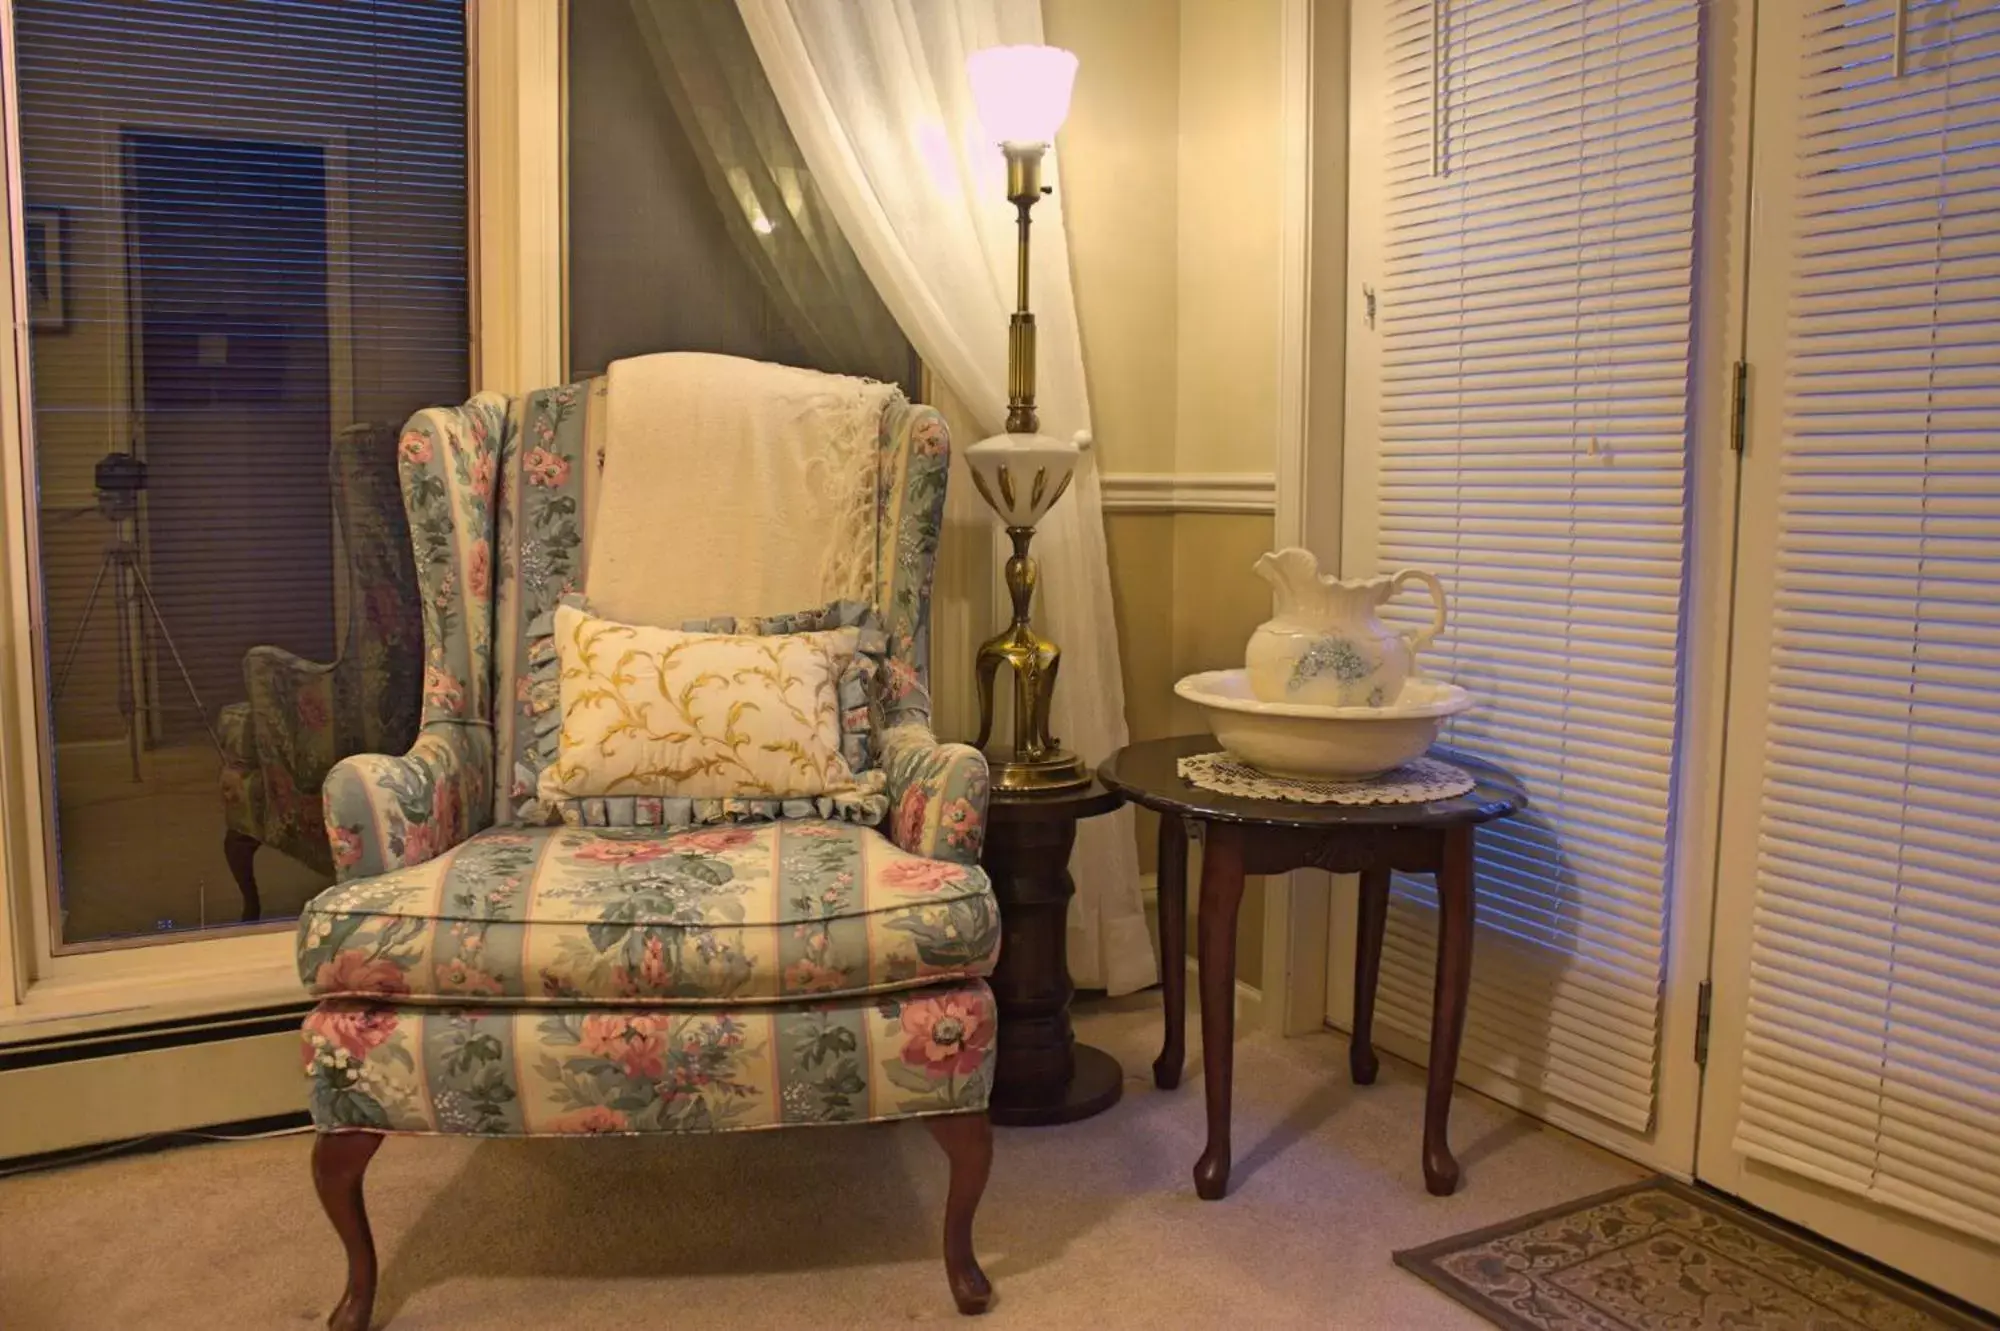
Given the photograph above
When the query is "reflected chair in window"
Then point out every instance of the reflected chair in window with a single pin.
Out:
(494, 966)
(301, 717)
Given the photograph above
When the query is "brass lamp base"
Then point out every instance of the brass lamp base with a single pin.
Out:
(1037, 762)
(1059, 771)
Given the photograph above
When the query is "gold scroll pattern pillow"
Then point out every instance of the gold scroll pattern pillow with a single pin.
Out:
(652, 711)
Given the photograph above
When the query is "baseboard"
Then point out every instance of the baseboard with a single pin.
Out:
(60, 1106)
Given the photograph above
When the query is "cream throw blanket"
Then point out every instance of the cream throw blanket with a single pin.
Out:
(732, 487)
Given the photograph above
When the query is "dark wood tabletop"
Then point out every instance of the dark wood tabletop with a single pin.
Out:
(1028, 806)
(1145, 774)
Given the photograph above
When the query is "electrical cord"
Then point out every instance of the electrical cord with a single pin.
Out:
(130, 1145)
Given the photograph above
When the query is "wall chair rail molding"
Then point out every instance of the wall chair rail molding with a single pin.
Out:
(1190, 492)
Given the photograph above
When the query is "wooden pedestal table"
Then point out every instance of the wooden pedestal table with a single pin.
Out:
(1244, 836)
(1041, 1075)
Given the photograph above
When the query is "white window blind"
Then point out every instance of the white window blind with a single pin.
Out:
(1872, 1057)
(1535, 324)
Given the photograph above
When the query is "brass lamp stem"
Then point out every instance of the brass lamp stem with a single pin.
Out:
(1024, 188)
(1022, 574)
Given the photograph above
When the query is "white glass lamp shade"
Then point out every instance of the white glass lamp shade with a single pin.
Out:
(1021, 475)
(1022, 91)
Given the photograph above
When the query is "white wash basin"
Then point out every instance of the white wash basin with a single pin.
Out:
(1303, 740)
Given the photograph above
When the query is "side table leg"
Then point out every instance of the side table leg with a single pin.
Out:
(1221, 894)
(1454, 977)
(1173, 950)
(1372, 914)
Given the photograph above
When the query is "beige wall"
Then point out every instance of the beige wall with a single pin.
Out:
(1117, 167)
(1227, 277)
(1170, 162)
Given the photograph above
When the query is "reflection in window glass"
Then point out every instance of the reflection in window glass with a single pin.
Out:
(694, 224)
(245, 260)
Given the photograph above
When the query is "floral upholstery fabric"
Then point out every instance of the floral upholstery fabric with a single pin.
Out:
(549, 462)
(563, 1071)
(383, 813)
(754, 914)
(302, 716)
(937, 795)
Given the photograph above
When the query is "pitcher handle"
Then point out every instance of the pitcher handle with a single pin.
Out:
(1421, 638)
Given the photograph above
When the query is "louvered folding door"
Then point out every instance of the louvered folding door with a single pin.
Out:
(1857, 1050)
(1527, 440)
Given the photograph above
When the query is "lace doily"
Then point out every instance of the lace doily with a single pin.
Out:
(1416, 782)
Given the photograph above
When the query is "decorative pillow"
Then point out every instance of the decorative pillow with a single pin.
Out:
(862, 723)
(650, 711)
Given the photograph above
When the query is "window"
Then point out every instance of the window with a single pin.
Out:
(693, 222)
(246, 227)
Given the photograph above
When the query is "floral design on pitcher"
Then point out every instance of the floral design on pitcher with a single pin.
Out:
(1334, 656)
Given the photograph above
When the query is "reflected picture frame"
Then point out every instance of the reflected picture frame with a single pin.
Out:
(45, 264)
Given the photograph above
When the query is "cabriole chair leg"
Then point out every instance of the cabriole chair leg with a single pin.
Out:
(967, 1140)
(240, 850)
(338, 1162)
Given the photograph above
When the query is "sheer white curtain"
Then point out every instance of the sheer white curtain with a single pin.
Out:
(876, 95)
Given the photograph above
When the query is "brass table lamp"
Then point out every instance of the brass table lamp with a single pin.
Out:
(1023, 95)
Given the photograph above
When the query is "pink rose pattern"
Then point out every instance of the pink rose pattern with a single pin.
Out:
(545, 468)
(921, 875)
(947, 1035)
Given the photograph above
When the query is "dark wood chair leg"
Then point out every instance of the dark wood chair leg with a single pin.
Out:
(1221, 894)
(1454, 979)
(1173, 950)
(338, 1162)
(1371, 915)
(967, 1140)
(240, 850)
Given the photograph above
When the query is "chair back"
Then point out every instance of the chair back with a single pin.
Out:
(499, 495)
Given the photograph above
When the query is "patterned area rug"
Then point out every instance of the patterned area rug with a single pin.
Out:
(1658, 1256)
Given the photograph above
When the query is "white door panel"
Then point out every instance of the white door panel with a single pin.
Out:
(1854, 1079)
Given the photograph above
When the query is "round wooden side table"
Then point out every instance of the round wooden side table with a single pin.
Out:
(1260, 836)
(1042, 1075)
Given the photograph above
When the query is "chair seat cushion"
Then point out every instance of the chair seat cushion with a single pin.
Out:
(765, 913)
(550, 1071)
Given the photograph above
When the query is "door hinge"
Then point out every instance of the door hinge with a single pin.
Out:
(1704, 1008)
(1739, 402)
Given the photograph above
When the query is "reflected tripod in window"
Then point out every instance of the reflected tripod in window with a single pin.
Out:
(120, 480)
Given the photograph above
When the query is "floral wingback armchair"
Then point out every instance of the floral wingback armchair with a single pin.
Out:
(302, 717)
(636, 967)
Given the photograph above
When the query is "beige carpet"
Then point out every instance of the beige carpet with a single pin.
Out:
(1093, 1226)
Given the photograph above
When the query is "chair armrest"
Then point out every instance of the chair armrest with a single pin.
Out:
(386, 813)
(937, 795)
(291, 704)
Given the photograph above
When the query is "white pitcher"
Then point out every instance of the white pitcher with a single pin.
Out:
(1325, 646)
